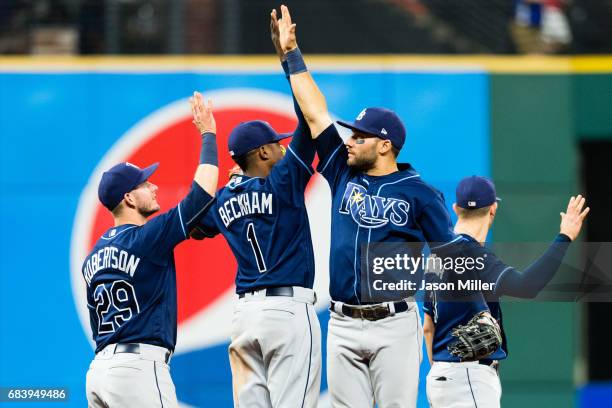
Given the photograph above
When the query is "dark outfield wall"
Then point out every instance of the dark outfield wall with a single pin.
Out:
(536, 124)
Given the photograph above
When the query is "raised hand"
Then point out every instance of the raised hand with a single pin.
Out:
(275, 34)
(202, 114)
(571, 220)
(286, 29)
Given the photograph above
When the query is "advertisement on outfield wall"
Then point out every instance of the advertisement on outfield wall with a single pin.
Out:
(61, 130)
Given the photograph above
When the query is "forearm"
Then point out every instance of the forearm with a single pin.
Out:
(207, 173)
(309, 98)
(302, 124)
(429, 346)
(428, 332)
(312, 103)
(537, 275)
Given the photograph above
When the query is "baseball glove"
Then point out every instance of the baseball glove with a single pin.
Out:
(476, 340)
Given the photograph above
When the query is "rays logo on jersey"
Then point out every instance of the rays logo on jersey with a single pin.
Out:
(372, 211)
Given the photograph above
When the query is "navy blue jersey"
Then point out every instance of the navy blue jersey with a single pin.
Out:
(264, 220)
(131, 277)
(448, 311)
(399, 207)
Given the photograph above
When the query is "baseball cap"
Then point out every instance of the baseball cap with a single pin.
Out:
(251, 135)
(476, 192)
(120, 179)
(380, 122)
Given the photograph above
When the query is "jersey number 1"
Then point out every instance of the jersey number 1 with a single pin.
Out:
(261, 264)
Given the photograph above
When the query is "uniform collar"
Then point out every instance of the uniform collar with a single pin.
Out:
(238, 181)
(114, 231)
(468, 237)
(404, 170)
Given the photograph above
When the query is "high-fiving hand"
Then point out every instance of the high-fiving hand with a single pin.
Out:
(572, 218)
(275, 34)
(202, 114)
(286, 29)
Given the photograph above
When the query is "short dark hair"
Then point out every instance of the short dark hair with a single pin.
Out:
(467, 213)
(118, 209)
(245, 160)
(395, 151)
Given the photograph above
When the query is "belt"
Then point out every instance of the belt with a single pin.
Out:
(134, 348)
(278, 291)
(490, 363)
(371, 312)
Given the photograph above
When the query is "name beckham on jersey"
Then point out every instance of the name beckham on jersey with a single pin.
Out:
(110, 257)
(249, 203)
(372, 211)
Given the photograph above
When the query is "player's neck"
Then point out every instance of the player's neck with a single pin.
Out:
(258, 170)
(476, 228)
(383, 168)
(130, 218)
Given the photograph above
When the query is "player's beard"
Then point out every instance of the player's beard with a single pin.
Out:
(364, 162)
(148, 210)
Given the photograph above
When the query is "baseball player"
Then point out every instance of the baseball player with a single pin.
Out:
(453, 382)
(275, 350)
(373, 350)
(131, 279)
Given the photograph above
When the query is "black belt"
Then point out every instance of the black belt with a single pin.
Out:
(278, 291)
(371, 312)
(134, 348)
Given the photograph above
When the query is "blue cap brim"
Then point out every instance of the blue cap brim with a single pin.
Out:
(147, 172)
(282, 136)
(354, 126)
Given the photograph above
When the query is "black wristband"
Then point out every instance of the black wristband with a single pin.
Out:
(208, 152)
(561, 237)
(295, 61)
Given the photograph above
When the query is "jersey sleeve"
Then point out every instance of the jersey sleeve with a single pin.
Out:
(290, 176)
(207, 226)
(528, 283)
(429, 295)
(428, 304)
(332, 156)
(165, 231)
(435, 221)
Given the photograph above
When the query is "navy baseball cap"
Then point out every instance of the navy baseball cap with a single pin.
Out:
(380, 122)
(120, 179)
(476, 192)
(251, 135)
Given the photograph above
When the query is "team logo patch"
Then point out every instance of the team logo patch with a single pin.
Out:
(361, 114)
(372, 211)
(205, 269)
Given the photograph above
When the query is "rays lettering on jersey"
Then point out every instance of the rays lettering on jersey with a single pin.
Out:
(110, 257)
(372, 211)
(250, 203)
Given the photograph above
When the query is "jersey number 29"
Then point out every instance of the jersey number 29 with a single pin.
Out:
(261, 263)
(115, 304)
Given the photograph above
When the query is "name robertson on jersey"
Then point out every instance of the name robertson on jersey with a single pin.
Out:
(110, 258)
(372, 211)
(249, 203)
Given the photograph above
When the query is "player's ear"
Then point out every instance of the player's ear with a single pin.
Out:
(129, 200)
(456, 209)
(384, 147)
(493, 210)
(263, 152)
